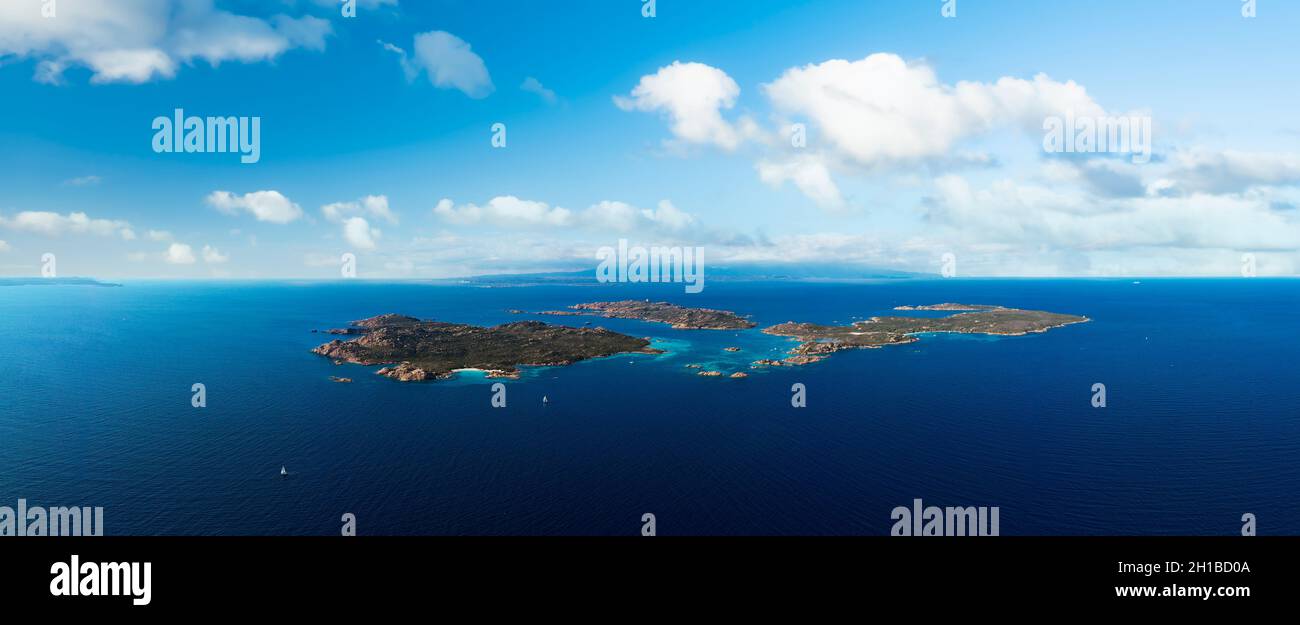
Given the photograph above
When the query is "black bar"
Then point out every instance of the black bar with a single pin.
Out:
(239, 573)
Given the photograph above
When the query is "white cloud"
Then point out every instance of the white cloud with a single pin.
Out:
(180, 254)
(213, 256)
(159, 235)
(882, 110)
(532, 85)
(53, 224)
(669, 216)
(375, 206)
(358, 233)
(808, 173)
(141, 40)
(269, 206)
(448, 61)
(623, 217)
(1232, 170)
(505, 211)
(1032, 217)
(869, 114)
(692, 96)
(4, 247)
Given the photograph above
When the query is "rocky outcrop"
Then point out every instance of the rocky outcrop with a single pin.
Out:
(406, 372)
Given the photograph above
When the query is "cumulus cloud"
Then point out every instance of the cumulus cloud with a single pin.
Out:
(448, 61)
(1233, 170)
(532, 85)
(359, 234)
(180, 254)
(4, 246)
(213, 256)
(623, 217)
(808, 173)
(269, 206)
(873, 114)
(1030, 216)
(511, 213)
(692, 97)
(883, 110)
(159, 235)
(375, 206)
(54, 224)
(505, 211)
(142, 40)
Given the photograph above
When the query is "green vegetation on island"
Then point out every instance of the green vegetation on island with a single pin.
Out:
(418, 350)
(816, 341)
(679, 317)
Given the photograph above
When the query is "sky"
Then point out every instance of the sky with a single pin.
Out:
(445, 138)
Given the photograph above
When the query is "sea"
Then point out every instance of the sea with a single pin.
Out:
(1199, 428)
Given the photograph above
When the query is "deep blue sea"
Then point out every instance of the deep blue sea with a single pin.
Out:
(1201, 423)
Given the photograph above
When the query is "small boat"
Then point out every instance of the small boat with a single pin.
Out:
(545, 399)
(283, 472)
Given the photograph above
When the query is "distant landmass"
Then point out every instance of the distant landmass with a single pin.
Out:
(715, 273)
(29, 281)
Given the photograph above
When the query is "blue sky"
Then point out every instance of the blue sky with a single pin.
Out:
(924, 135)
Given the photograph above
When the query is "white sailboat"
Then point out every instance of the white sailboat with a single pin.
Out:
(283, 472)
(545, 399)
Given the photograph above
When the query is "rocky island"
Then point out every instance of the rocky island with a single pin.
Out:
(817, 341)
(679, 317)
(417, 350)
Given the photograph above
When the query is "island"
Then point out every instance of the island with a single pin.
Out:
(679, 317)
(817, 341)
(414, 350)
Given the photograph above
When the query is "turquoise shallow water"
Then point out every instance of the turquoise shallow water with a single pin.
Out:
(1200, 427)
